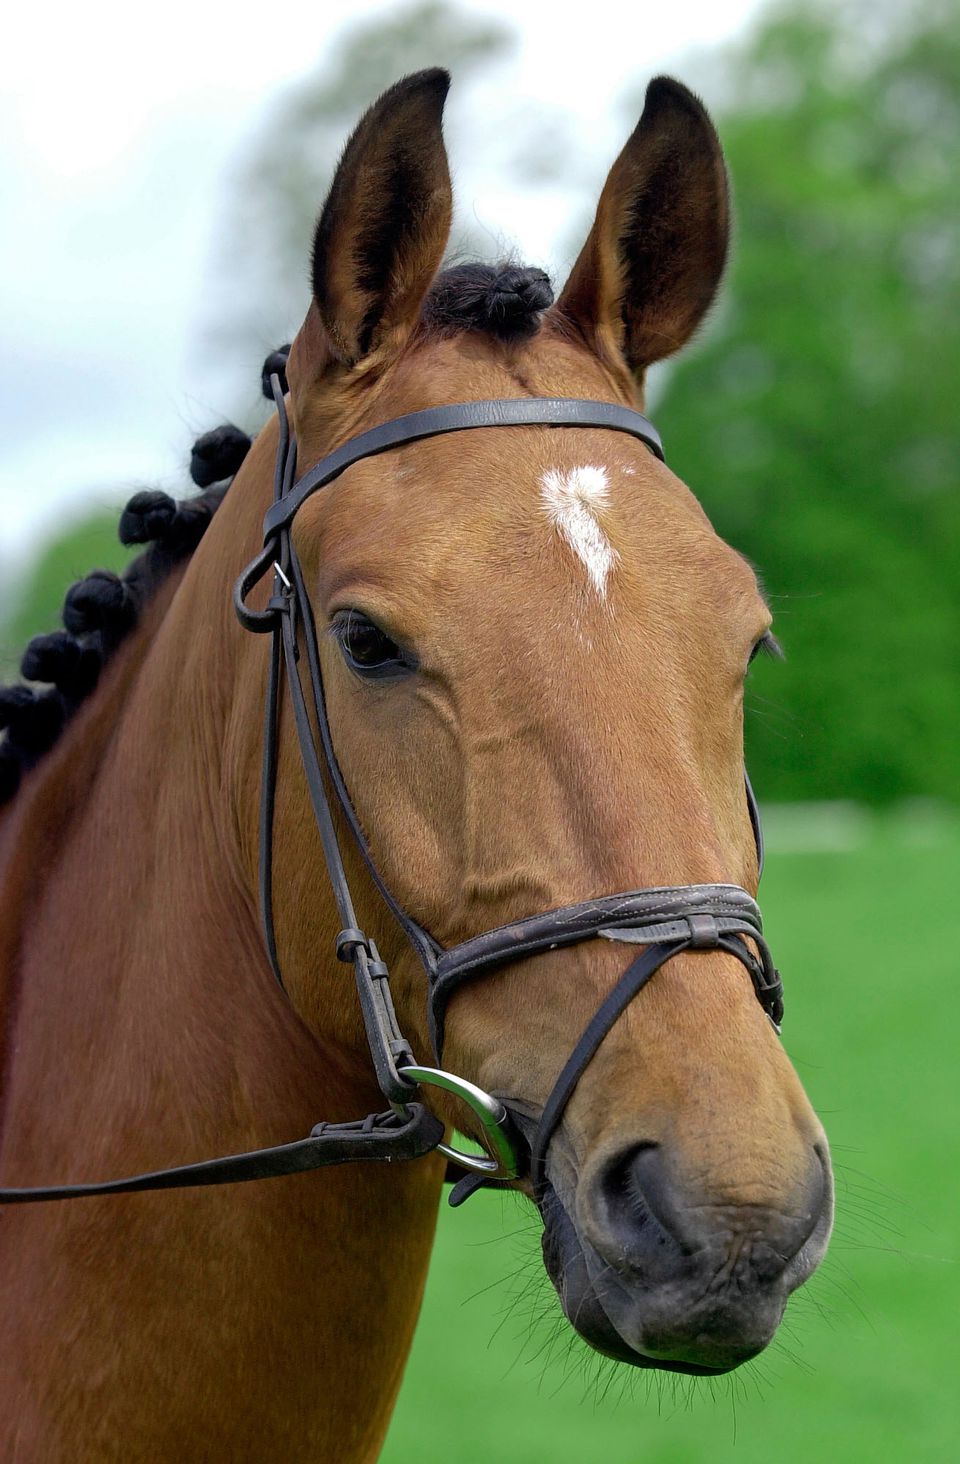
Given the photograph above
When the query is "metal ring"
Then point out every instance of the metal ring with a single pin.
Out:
(502, 1159)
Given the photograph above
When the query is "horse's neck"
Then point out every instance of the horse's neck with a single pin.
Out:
(144, 1029)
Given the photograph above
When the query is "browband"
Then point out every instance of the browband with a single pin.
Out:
(459, 417)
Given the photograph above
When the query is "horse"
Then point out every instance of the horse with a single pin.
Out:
(533, 649)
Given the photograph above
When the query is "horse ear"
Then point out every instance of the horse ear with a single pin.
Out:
(386, 221)
(653, 260)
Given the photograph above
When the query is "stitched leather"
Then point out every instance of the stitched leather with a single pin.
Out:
(654, 915)
(561, 927)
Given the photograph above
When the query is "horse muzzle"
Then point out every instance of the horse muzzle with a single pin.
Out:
(657, 1277)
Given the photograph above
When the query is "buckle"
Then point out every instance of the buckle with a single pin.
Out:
(502, 1160)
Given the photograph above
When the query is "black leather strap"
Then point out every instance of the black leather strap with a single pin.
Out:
(388, 1048)
(284, 471)
(755, 822)
(634, 978)
(382, 1136)
(422, 942)
(460, 417)
(571, 922)
(653, 914)
(704, 933)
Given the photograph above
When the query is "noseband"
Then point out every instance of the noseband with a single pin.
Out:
(707, 917)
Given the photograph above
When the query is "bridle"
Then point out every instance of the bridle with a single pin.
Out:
(665, 921)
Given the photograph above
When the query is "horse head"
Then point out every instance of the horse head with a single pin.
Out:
(534, 648)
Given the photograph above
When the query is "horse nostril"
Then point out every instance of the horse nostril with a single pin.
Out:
(646, 1176)
(633, 1202)
(643, 1218)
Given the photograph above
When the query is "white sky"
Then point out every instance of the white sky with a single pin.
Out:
(117, 126)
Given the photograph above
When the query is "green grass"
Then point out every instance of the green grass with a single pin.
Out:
(864, 1368)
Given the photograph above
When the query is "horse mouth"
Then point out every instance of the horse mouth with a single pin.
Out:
(569, 1265)
(679, 1326)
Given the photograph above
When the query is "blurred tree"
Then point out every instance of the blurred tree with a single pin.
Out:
(260, 284)
(818, 422)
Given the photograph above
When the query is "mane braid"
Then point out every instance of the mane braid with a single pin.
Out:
(502, 300)
(100, 611)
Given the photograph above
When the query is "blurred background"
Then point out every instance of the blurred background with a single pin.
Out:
(160, 175)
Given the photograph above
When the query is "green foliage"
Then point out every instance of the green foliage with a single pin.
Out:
(863, 1368)
(818, 424)
(89, 543)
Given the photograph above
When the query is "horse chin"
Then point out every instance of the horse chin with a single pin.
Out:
(579, 1276)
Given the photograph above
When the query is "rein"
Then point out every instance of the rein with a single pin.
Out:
(664, 921)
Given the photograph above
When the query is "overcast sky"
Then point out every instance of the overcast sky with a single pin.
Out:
(118, 125)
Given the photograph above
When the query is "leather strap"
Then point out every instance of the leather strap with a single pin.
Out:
(388, 1048)
(460, 417)
(642, 916)
(284, 470)
(755, 823)
(421, 940)
(701, 934)
(634, 978)
(384, 1136)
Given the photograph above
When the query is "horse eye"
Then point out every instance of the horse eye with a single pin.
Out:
(366, 648)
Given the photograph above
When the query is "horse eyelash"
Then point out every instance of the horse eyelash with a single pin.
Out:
(768, 645)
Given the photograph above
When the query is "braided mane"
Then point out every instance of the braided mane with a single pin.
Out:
(61, 669)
